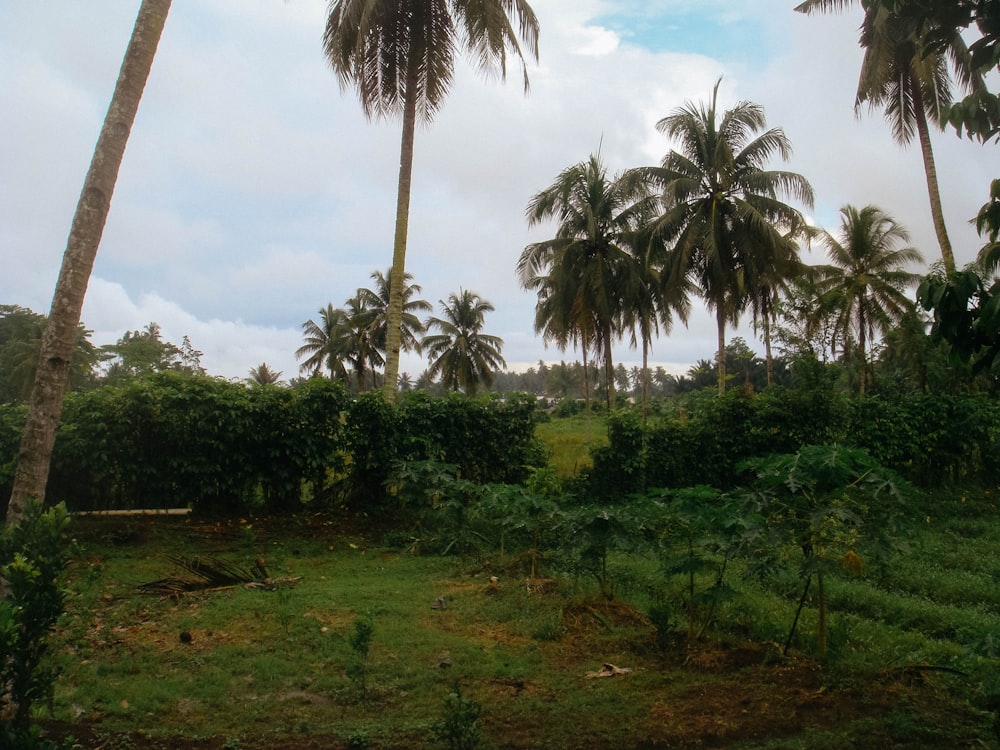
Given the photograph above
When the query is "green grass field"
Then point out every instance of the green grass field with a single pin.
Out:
(913, 652)
(569, 440)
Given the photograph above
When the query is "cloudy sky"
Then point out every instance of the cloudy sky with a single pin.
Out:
(253, 191)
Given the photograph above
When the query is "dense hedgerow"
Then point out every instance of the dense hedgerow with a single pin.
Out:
(177, 440)
(930, 440)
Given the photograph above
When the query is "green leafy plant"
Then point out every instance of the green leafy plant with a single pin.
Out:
(33, 557)
(593, 531)
(458, 727)
(700, 530)
(834, 504)
(360, 642)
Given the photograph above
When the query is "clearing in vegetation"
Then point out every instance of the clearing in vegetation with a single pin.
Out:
(358, 644)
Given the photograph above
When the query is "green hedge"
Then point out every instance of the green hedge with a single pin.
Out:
(930, 440)
(172, 439)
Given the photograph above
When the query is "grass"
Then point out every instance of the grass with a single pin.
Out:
(913, 658)
(569, 441)
(272, 668)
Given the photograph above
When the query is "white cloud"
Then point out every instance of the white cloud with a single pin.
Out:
(254, 192)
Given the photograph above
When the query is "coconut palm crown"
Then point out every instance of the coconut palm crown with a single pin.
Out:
(399, 56)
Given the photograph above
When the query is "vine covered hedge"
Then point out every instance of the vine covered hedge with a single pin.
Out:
(175, 440)
(930, 440)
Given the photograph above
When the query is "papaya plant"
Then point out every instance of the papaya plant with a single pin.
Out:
(594, 531)
(700, 530)
(835, 505)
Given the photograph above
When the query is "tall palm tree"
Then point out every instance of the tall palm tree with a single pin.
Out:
(61, 332)
(650, 301)
(911, 82)
(867, 278)
(764, 299)
(377, 300)
(723, 219)
(318, 347)
(461, 354)
(582, 274)
(399, 55)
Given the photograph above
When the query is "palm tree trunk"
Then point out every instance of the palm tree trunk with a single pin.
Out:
(933, 191)
(863, 346)
(645, 378)
(720, 319)
(60, 337)
(586, 387)
(609, 369)
(397, 276)
(767, 350)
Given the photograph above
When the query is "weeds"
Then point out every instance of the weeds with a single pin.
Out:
(458, 727)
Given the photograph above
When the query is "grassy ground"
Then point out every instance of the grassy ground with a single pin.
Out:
(284, 667)
(569, 441)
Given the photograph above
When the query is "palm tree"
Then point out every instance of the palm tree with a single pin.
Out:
(650, 301)
(399, 55)
(764, 300)
(262, 374)
(911, 82)
(582, 274)
(867, 278)
(377, 300)
(318, 347)
(461, 354)
(62, 331)
(355, 340)
(724, 222)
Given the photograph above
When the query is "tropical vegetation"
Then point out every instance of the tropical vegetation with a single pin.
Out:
(746, 520)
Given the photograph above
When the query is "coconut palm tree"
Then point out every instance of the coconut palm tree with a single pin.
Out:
(867, 278)
(650, 302)
(318, 347)
(62, 331)
(262, 374)
(461, 354)
(583, 274)
(399, 55)
(910, 81)
(355, 340)
(723, 222)
(377, 300)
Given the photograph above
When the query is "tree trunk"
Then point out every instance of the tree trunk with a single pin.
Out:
(645, 378)
(767, 349)
(933, 191)
(720, 319)
(397, 276)
(609, 369)
(59, 339)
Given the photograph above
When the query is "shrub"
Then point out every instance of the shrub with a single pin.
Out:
(32, 560)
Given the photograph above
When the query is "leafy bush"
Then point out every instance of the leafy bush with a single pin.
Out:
(11, 426)
(930, 440)
(33, 557)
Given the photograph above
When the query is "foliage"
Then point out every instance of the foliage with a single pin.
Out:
(835, 504)
(143, 352)
(33, 557)
(699, 531)
(592, 532)
(20, 342)
(929, 439)
(11, 425)
(966, 315)
(461, 354)
(173, 439)
(360, 642)
(458, 727)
